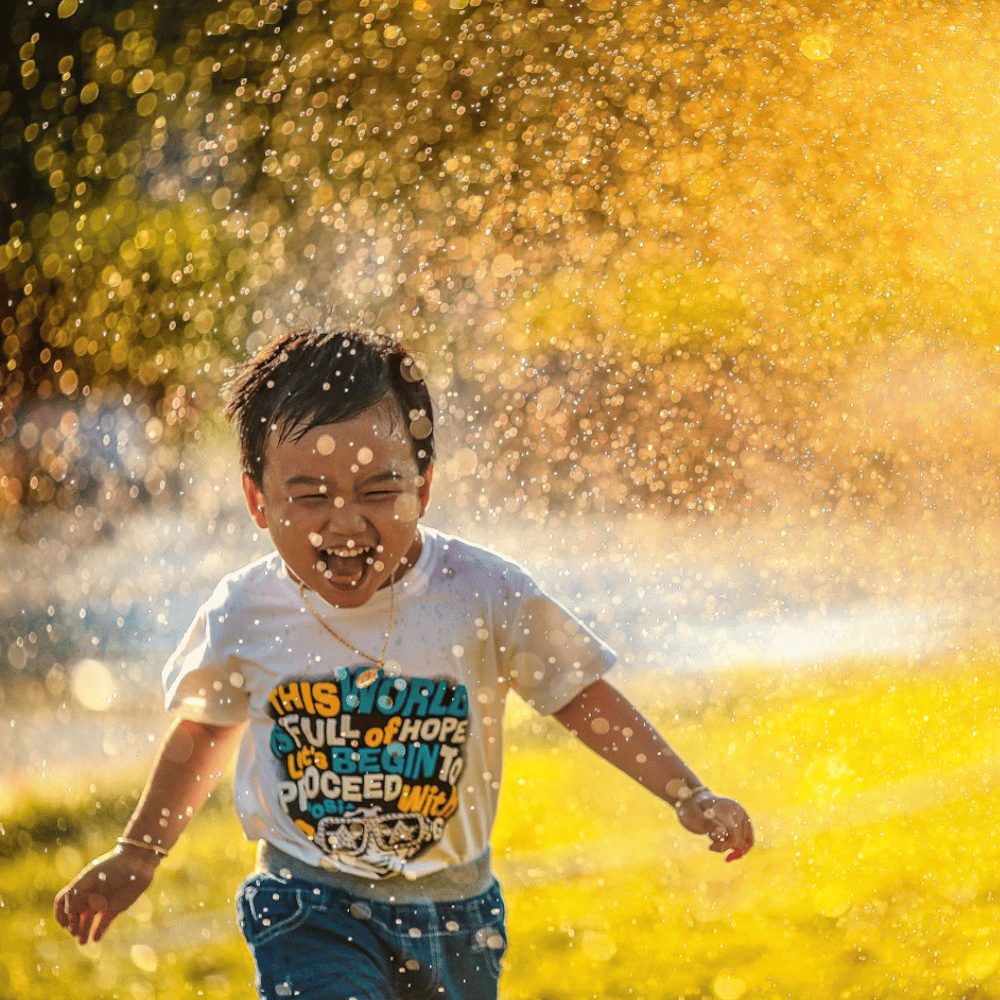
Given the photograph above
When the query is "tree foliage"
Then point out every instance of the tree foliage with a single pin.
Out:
(682, 221)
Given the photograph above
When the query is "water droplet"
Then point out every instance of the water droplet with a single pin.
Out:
(143, 958)
(421, 428)
(93, 686)
(598, 946)
(816, 47)
(678, 789)
(727, 987)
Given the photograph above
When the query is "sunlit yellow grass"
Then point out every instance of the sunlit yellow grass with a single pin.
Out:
(875, 866)
(874, 875)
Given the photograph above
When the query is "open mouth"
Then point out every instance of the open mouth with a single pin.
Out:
(348, 563)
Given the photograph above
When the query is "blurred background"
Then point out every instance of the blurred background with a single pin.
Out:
(705, 293)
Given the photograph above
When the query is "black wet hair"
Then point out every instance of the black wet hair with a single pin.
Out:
(309, 377)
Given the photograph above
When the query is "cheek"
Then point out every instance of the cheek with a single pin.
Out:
(406, 508)
(282, 516)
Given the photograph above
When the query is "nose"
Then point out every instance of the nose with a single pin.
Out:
(345, 521)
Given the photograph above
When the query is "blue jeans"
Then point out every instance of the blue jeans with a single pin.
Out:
(318, 942)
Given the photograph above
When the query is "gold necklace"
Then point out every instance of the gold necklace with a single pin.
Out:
(370, 675)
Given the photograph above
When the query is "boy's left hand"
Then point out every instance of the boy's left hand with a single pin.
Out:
(723, 820)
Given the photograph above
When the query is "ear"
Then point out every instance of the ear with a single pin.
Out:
(424, 489)
(255, 501)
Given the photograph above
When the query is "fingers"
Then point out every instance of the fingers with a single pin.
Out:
(740, 851)
(77, 912)
(721, 839)
(102, 924)
(82, 934)
(736, 842)
(65, 912)
(731, 831)
(78, 920)
(59, 909)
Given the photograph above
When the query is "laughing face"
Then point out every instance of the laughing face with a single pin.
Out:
(342, 504)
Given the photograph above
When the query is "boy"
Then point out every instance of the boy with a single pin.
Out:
(362, 668)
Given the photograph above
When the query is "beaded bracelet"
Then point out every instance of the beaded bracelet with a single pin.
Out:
(129, 842)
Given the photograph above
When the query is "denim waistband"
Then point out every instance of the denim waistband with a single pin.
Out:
(456, 882)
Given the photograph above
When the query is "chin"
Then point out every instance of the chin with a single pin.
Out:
(345, 594)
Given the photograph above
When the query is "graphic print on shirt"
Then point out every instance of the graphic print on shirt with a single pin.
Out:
(370, 774)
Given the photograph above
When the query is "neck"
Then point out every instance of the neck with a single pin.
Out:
(407, 562)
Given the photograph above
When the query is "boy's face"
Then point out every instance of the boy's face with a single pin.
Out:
(342, 503)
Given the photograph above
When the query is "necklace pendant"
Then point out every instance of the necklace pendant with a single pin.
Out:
(368, 677)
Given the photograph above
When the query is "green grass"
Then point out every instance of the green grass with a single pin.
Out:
(875, 873)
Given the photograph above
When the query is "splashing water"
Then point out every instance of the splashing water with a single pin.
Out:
(729, 268)
(686, 229)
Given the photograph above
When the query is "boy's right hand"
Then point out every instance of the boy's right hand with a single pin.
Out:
(109, 885)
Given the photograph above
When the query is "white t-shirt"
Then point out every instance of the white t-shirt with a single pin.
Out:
(401, 775)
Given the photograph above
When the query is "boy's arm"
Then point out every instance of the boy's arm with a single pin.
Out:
(611, 726)
(187, 768)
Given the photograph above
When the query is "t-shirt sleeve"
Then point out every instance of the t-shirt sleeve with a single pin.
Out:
(203, 681)
(551, 655)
